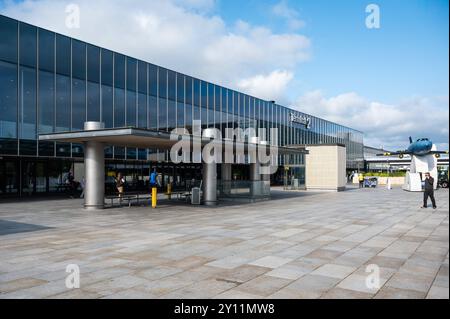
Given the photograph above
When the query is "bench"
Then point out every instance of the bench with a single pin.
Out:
(129, 197)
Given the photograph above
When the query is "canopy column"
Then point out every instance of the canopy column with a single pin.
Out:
(94, 163)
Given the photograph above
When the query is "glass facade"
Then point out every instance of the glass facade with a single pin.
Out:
(52, 83)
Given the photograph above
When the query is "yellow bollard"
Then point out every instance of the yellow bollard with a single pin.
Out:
(154, 197)
(169, 191)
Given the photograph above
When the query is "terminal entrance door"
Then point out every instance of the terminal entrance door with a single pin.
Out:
(9, 177)
(294, 177)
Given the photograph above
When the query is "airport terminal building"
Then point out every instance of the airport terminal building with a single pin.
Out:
(51, 83)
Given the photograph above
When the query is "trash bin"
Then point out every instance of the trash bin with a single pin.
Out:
(195, 197)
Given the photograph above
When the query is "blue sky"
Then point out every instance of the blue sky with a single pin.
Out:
(316, 56)
(407, 55)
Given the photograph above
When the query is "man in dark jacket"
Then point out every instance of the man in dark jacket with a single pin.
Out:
(429, 191)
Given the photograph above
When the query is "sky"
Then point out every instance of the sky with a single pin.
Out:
(317, 56)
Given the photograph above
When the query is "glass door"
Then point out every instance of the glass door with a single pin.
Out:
(8, 178)
(28, 178)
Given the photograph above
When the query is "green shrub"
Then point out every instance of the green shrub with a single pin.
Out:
(385, 174)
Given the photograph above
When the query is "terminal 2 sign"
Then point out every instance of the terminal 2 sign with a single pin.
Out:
(301, 119)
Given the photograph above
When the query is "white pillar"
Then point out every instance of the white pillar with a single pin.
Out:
(210, 184)
(94, 163)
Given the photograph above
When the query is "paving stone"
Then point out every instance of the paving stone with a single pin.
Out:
(396, 293)
(19, 284)
(311, 286)
(284, 248)
(263, 285)
(270, 262)
(410, 281)
(288, 272)
(242, 274)
(438, 293)
(339, 293)
(334, 271)
(358, 283)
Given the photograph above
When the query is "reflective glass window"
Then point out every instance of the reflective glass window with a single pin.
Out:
(28, 45)
(78, 60)
(162, 114)
(27, 103)
(131, 74)
(8, 36)
(142, 110)
(62, 103)
(63, 150)
(62, 55)
(189, 99)
(131, 108)
(46, 101)
(119, 71)
(46, 50)
(142, 77)
(204, 94)
(242, 103)
(107, 67)
(107, 106)
(188, 117)
(93, 101)
(210, 106)
(171, 114)
(131, 153)
(78, 104)
(217, 107)
(93, 64)
(153, 112)
(153, 80)
(172, 85)
(119, 107)
(8, 100)
(180, 115)
(162, 83)
(180, 88)
(119, 152)
(196, 92)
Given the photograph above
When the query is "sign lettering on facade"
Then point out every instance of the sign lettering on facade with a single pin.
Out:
(301, 119)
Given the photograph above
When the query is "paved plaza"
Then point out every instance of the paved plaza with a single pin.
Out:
(298, 245)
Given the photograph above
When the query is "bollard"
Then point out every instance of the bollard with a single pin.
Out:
(154, 197)
(169, 191)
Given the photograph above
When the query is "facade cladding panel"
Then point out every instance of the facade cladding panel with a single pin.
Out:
(52, 83)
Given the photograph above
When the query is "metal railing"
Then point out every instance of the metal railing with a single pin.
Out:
(243, 189)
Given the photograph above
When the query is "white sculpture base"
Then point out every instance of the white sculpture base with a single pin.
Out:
(413, 182)
(419, 166)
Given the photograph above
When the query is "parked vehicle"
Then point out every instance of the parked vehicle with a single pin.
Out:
(443, 182)
(371, 182)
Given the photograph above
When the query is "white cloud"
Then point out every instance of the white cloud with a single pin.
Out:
(269, 87)
(291, 15)
(179, 34)
(383, 124)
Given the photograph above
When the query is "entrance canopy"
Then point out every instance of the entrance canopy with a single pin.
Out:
(143, 138)
(95, 137)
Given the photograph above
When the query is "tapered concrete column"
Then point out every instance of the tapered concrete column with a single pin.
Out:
(255, 174)
(255, 178)
(265, 177)
(210, 184)
(94, 163)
